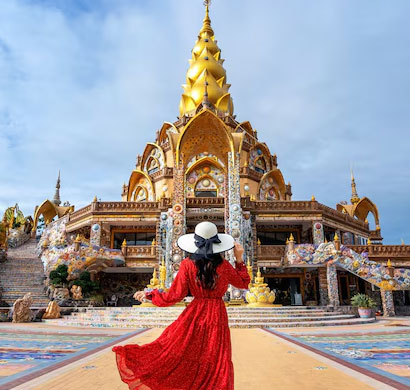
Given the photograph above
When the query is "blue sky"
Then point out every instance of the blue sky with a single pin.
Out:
(85, 84)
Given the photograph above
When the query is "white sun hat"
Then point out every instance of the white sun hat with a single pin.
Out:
(206, 239)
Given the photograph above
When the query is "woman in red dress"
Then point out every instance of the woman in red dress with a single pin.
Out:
(194, 352)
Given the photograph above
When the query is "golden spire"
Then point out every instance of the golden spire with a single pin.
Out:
(355, 198)
(206, 73)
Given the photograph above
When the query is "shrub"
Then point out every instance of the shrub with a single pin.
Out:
(364, 301)
(59, 275)
(86, 284)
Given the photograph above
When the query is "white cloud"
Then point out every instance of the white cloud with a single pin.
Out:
(325, 83)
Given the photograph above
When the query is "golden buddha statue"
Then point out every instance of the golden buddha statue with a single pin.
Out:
(259, 294)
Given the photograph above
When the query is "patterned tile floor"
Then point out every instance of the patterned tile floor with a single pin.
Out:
(27, 352)
(380, 352)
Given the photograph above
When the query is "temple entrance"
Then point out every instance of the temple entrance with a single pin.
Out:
(344, 291)
(287, 289)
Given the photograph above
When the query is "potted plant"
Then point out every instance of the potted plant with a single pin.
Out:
(365, 304)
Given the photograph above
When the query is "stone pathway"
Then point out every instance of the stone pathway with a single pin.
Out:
(262, 361)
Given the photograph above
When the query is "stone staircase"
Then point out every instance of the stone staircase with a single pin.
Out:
(22, 273)
(239, 317)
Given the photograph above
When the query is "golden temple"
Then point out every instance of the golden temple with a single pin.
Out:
(209, 166)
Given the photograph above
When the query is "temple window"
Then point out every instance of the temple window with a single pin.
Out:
(257, 161)
(153, 165)
(154, 161)
(206, 188)
(260, 165)
(206, 179)
(276, 237)
(140, 194)
(133, 238)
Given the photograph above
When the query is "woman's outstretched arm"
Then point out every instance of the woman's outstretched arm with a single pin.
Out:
(238, 276)
(177, 291)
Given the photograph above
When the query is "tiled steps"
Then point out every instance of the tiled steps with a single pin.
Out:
(23, 273)
(238, 317)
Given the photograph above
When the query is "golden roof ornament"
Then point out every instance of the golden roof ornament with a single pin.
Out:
(154, 283)
(355, 198)
(313, 199)
(124, 243)
(206, 77)
(291, 238)
(250, 271)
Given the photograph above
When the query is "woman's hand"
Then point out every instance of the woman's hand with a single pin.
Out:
(238, 252)
(139, 296)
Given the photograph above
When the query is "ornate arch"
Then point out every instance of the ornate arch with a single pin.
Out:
(272, 181)
(364, 207)
(49, 210)
(140, 178)
(205, 168)
(205, 131)
(259, 158)
(152, 152)
(137, 197)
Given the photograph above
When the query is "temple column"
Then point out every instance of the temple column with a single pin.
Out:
(323, 289)
(387, 303)
(233, 212)
(177, 213)
(318, 238)
(332, 285)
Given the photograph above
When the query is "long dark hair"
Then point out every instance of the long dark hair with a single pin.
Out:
(206, 274)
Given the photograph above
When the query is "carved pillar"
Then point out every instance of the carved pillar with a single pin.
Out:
(332, 285)
(323, 288)
(234, 223)
(387, 303)
(165, 241)
(178, 215)
(233, 211)
(318, 238)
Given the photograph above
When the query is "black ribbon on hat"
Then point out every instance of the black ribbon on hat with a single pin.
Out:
(205, 245)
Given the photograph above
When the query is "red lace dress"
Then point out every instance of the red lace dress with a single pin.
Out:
(194, 352)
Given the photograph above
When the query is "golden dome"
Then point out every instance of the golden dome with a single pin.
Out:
(206, 68)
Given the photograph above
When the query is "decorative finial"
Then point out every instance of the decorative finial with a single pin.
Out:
(355, 198)
(389, 263)
(291, 238)
(95, 199)
(124, 243)
(154, 242)
(336, 237)
(369, 242)
(57, 200)
(78, 238)
(206, 25)
(313, 199)
(259, 241)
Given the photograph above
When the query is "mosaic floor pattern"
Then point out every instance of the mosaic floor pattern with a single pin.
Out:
(380, 353)
(26, 353)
